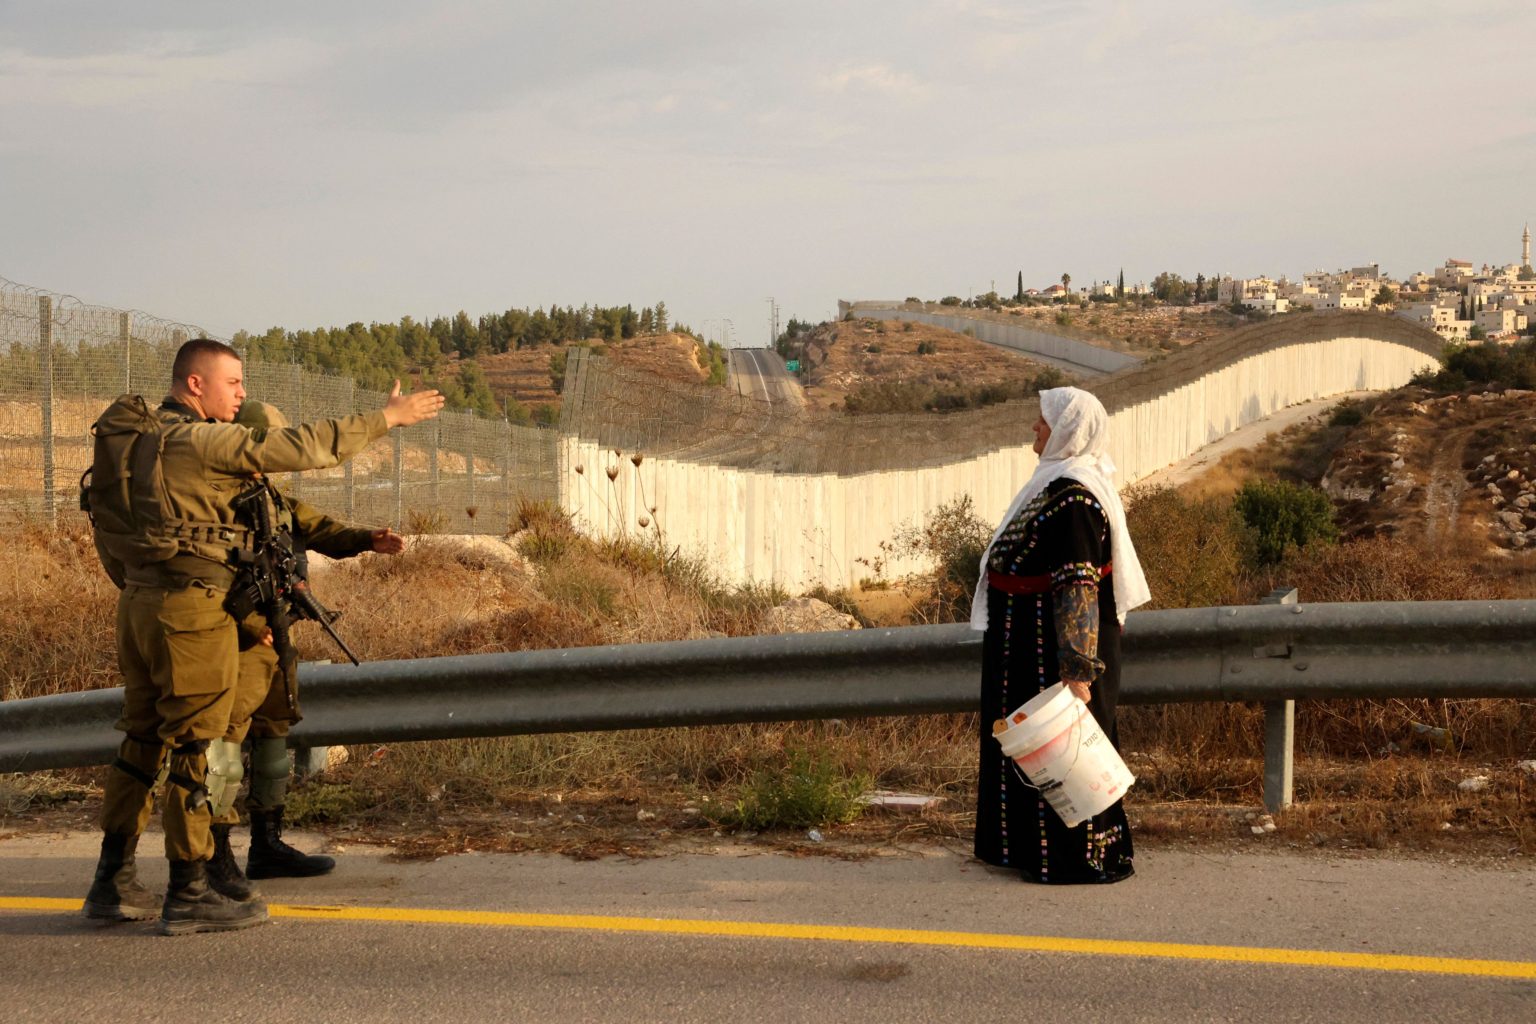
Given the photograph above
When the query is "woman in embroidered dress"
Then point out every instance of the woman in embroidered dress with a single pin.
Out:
(1056, 582)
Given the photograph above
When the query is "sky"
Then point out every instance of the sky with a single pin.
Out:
(240, 166)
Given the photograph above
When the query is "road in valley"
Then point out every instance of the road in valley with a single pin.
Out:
(741, 934)
(759, 373)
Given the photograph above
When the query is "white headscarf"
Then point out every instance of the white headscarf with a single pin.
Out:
(1077, 449)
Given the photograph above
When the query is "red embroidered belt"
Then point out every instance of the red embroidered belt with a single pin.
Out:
(1029, 584)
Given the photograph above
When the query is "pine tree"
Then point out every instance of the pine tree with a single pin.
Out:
(1120, 285)
(1018, 296)
(661, 316)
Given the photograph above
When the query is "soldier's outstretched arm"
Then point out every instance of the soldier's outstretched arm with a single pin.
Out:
(233, 448)
(330, 537)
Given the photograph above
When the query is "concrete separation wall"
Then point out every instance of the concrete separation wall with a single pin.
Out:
(800, 529)
(1075, 356)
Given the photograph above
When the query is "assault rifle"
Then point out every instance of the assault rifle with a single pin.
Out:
(270, 577)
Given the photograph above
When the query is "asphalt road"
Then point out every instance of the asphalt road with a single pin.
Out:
(741, 935)
(759, 373)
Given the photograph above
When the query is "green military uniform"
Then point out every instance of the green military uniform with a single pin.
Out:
(266, 700)
(178, 648)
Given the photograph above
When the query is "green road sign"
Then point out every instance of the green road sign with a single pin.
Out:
(793, 366)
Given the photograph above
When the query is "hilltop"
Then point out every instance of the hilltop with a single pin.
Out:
(872, 366)
(531, 377)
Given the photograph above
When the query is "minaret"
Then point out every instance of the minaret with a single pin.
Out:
(1525, 246)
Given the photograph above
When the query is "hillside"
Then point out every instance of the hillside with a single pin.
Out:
(1451, 475)
(898, 366)
(1139, 330)
(1454, 470)
(526, 376)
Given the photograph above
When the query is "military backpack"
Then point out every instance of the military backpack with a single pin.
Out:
(124, 495)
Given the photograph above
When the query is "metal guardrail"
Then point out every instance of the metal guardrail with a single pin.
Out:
(1271, 652)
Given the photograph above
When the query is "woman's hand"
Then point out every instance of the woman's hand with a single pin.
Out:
(1079, 689)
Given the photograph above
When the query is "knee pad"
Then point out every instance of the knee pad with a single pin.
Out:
(225, 770)
(269, 772)
(269, 758)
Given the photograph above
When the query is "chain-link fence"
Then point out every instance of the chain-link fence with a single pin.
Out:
(61, 361)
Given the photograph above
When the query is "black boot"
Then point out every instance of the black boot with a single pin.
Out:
(224, 874)
(116, 894)
(272, 858)
(191, 905)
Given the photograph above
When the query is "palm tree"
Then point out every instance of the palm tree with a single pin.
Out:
(1066, 281)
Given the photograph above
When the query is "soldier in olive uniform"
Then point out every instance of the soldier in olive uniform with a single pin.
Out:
(177, 645)
(266, 697)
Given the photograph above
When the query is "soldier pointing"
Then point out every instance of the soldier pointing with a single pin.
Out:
(160, 494)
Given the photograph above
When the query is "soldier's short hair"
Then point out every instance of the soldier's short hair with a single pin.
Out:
(193, 353)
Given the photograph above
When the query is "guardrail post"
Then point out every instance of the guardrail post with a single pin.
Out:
(1279, 734)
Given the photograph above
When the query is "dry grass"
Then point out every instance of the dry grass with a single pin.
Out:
(1363, 780)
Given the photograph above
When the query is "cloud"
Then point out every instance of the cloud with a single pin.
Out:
(170, 68)
(874, 78)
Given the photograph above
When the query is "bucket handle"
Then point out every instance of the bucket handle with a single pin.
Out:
(1077, 751)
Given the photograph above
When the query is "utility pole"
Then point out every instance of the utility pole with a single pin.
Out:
(773, 322)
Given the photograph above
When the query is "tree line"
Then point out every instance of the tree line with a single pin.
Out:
(376, 354)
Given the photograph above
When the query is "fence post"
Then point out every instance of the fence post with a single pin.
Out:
(506, 468)
(349, 489)
(469, 468)
(432, 472)
(296, 480)
(125, 335)
(1279, 734)
(45, 348)
(399, 472)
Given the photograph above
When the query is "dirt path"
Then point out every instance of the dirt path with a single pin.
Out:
(1249, 436)
(1446, 487)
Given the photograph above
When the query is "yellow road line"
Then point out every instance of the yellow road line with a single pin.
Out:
(839, 933)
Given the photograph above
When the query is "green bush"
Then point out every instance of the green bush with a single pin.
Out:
(1281, 516)
(1346, 414)
(808, 791)
(950, 300)
(1511, 365)
(951, 544)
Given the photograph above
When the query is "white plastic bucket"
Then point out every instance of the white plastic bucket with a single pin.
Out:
(1058, 745)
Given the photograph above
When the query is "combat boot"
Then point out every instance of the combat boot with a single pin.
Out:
(272, 858)
(224, 874)
(116, 894)
(192, 906)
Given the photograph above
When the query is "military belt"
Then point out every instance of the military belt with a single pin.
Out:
(182, 571)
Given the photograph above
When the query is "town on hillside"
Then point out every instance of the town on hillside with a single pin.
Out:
(1458, 300)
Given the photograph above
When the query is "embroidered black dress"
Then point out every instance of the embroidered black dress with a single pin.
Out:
(1056, 545)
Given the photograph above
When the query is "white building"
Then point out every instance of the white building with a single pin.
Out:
(1438, 317)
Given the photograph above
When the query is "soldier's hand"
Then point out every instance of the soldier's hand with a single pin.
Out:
(388, 542)
(266, 636)
(404, 410)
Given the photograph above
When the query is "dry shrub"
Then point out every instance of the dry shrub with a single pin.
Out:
(1191, 548)
(933, 754)
(56, 635)
(1386, 569)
